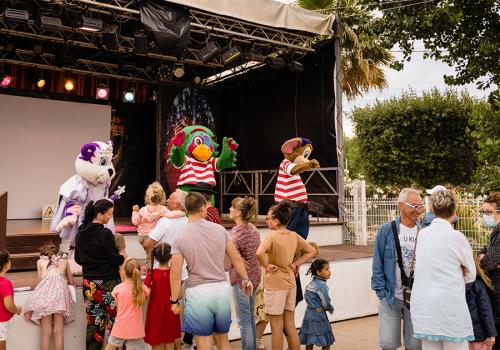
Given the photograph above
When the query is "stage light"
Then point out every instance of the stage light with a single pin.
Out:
(276, 63)
(255, 57)
(5, 80)
(295, 67)
(179, 70)
(16, 16)
(197, 80)
(48, 23)
(111, 36)
(208, 51)
(69, 84)
(90, 24)
(141, 43)
(40, 82)
(102, 92)
(231, 55)
(129, 95)
(38, 49)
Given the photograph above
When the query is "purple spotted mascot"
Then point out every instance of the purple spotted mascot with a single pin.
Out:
(94, 172)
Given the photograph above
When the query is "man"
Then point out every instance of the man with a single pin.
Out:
(204, 244)
(208, 192)
(387, 275)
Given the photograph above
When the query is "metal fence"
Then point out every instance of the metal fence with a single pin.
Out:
(363, 219)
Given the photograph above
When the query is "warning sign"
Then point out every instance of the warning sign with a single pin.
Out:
(48, 211)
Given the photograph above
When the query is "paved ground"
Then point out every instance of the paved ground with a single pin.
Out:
(358, 334)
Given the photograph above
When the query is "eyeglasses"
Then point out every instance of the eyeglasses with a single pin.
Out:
(416, 207)
(488, 212)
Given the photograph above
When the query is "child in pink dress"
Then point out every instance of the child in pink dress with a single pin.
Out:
(51, 304)
(146, 217)
(7, 306)
(130, 296)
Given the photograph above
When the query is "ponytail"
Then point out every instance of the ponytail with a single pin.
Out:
(160, 253)
(93, 208)
(132, 271)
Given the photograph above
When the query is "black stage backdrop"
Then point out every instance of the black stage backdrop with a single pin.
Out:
(133, 132)
(265, 107)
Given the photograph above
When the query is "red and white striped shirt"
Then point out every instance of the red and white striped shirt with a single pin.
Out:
(194, 171)
(289, 186)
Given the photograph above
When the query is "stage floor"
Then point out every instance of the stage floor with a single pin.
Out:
(331, 253)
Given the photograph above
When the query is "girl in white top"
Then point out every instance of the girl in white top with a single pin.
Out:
(443, 265)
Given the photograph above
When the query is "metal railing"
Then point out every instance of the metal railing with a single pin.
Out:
(261, 184)
(363, 219)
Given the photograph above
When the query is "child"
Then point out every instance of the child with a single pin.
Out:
(163, 328)
(51, 304)
(316, 329)
(7, 306)
(130, 296)
(146, 217)
(480, 310)
(120, 245)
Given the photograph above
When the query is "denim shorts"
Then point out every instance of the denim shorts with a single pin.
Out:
(390, 326)
(207, 309)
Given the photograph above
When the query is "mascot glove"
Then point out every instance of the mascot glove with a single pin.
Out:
(178, 139)
(70, 219)
(232, 144)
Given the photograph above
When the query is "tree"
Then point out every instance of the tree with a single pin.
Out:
(420, 141)
(462, 33)
(363, 55)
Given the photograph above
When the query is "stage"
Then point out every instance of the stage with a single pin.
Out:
(349, 288)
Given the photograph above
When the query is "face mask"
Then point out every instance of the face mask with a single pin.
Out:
(488, 220)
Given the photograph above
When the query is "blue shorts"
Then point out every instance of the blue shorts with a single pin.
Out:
(207, 309)
(299, 222)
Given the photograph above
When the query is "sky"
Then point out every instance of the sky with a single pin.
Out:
(419, 74)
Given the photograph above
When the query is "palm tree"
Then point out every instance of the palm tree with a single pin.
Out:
(363, 55)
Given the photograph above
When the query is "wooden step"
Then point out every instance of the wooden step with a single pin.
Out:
(30, 243)
(24, 261)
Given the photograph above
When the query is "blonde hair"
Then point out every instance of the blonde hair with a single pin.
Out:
(155, 195)
(132, 271)
(482, 274)
(246, 206)
(119, 241)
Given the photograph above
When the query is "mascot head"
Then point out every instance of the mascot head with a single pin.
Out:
(94, 162)
(297, 150)
(199, 142)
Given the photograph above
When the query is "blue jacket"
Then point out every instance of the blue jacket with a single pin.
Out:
(384, 262)
(316, 295)
(480, 310)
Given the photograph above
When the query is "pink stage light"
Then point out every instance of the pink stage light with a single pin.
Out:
(102, 93)
(6, 80)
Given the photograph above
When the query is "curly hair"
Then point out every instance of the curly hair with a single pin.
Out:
(493, 198)
(443, 203)
(155, 194)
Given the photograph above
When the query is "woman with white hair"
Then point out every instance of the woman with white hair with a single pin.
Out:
(443, 265)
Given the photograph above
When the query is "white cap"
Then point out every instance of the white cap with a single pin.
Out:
(436, 189)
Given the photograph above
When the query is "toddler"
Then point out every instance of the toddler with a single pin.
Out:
(7, 306)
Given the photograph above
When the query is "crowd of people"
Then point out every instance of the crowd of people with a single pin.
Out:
(183, 284)
(430, 283)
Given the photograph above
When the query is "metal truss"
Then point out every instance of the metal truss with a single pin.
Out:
(231, 28)
(261, 183)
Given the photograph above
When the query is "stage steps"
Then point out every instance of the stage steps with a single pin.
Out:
(23, 243)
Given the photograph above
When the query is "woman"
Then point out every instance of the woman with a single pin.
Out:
(96, 252)
(443, 264)
(280, 246)
(490, 254)
(246, 238)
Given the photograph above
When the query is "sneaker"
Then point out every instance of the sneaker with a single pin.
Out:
(259, 344)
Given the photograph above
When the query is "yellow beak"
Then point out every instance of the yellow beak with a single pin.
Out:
(202, 153)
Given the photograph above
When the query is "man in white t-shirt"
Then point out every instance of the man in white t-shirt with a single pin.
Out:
(386, 274)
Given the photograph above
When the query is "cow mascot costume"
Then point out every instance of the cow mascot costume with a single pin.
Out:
(290, 186)
(94, 172)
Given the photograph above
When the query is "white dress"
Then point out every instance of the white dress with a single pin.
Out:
(439, 309)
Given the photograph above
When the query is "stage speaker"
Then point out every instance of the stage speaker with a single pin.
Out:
(111, 36)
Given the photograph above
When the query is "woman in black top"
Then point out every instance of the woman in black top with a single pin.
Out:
(96, 252)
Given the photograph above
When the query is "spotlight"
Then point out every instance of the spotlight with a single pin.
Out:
(208, 51)
(255, 57)
(38, 49)
(40, 82)
(111, 36)
(231, 55)
(90, 24)
(102, 92)
(16, 16)
(276, 63)
(179, 70)
(163, 72)
(69, 84)
(5, 80)
(197, 80)
(295, 67)
(48, 23)
(129, 95)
